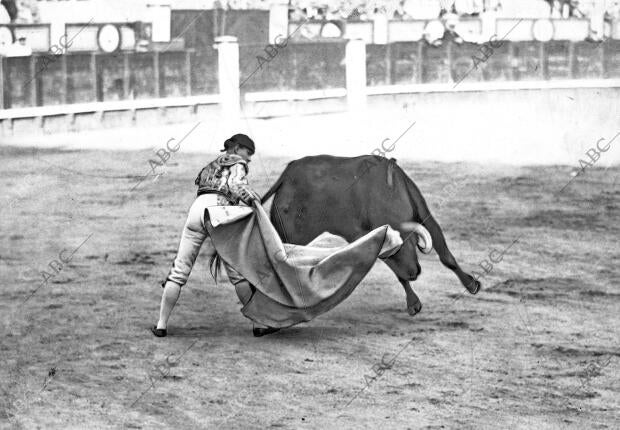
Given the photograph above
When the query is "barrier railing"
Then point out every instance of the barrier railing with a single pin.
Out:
(292, 66)
(86, 90)
(42, 80)
(419, 62)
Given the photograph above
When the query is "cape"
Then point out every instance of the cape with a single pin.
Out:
(293, 283)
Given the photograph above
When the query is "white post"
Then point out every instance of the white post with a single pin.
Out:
(57, 31)
(356, 74)
(597, 21)
(278, 20)
(159, 14)
(380, 29)
(228, 76)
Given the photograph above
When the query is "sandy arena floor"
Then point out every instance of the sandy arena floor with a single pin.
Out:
(536, 348)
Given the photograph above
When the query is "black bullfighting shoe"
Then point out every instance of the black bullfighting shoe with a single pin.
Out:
(262, 331)
(159, 332)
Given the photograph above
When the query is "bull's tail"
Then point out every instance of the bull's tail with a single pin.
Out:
(215, 263)
(273, 188)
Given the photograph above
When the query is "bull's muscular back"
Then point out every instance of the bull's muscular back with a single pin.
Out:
(351, 196)
(345, 196)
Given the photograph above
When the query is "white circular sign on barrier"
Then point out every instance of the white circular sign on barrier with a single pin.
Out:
(542, 30)
(6, 36)
(109, 38)
(434, 30)
(331, 29)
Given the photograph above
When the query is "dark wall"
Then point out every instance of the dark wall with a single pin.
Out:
(199, 28)
(419, 62)
(82, 78)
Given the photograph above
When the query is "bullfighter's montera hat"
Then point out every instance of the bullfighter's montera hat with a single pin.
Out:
(241, 140)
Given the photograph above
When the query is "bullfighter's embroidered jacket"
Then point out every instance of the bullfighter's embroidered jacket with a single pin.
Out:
(226, 176)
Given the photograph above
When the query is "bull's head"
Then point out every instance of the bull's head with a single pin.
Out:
(425, 243)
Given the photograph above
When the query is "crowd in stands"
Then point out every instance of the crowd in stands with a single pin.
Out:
(354, 10)
(583, 8)
(18, 12)
(26, 11)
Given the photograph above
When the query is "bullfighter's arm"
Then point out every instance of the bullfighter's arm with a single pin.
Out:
(238, 184)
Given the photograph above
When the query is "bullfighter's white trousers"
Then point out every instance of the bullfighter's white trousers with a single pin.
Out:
(193, 237)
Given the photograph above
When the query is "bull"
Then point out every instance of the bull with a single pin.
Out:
(349, 197)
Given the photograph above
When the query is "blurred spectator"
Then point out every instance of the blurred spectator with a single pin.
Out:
(492, 5)
(296, 15)
(612, 11)
(451, 33)
(447, 6)
(525, 9)
(488, 18)
(5, 18)
(27, 12)
(365, 10)
(468, 7)
(423, 9)
(584, 8)
(436, 33)
(571, 8)
(240, 4)
(560, 9)
(597, 21)
(24, 15)
(11, 8)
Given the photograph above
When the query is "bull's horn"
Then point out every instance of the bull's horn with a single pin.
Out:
(425, 242)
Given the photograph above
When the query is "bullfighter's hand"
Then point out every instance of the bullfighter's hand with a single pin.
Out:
(254, 195)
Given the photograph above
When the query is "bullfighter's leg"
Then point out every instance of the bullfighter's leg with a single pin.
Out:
(414, 305)
(169, 298)
(193, 236)
(245, 290)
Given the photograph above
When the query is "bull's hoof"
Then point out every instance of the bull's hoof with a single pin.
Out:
(414, 309)
(474, 286)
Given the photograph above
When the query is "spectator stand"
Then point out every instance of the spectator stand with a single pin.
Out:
(121, 69)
